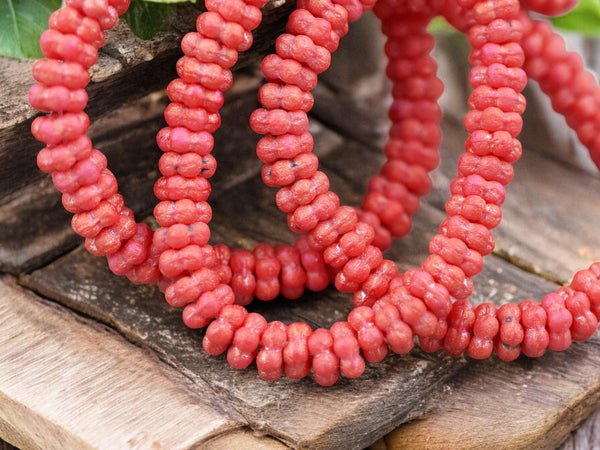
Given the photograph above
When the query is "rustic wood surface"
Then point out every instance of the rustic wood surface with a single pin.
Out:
(87, 357)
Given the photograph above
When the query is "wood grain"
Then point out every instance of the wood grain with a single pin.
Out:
(68, 383)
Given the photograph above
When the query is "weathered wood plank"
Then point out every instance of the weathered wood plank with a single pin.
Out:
(68, 383)
(586, 436)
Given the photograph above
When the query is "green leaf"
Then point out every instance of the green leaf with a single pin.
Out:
(148, 18)
(22, 22)
(584, 18)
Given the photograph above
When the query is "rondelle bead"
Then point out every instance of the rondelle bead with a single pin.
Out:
(302, 22)
(190, 258)
(292, 277)
(508, 340)
(67, 47)
(269, 360)
(485, 329)
(110, 239)
(370, 337)
(287, 146)
(460, 325)
(246, 340)
(585, 322)
(57, 98)
(194, 95)
(219, 334)
(324, 362)
(88, 224)
(187, 289)
(182, 140)
(243, 281)
(317, 275)
(71, 75)
(266, 270)
(347, 349)
(559, 322)
(295, 354)
(208, 50)
(132, 252)
(302, 49)
(70, 21)
(233, 35)
(238, 11)
(398, 334)
(288, 71)
(285, 171)
(200, 313)
(60, 128)
(184, 211)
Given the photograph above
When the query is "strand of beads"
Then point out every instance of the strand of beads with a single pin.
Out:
(209, 279)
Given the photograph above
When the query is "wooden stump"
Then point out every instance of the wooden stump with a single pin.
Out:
(89, 360)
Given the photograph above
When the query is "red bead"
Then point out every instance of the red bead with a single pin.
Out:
(558, 323)
(67, 47)
(267, 269)
(325, 363)
(219, 334)
(509, 339)
(50, 72)
(292, 277)
(370, 337)
(302, 49)
(485, 329)
(347, 349)
(243, 281)
(302, 22)
(269, 360)
(248, 16)
(398, 334)
(295, 354)
(57, 98)
(208, 306)
(231, 34)
(208, 50)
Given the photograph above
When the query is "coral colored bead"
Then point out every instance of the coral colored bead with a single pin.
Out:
(503, 98)
(511, 334)
(188, 165)
(302, 22)
(460, 324)
(333, 12)
(132, 252)
(585, 322)
(347, 349)
(490, 168)
(398, 334)
(587, 281)
(302, 49)
(477, 237)
(231, 34)
(493, 119)
(243, 281)
(370, 337)
(209, 75)
(194, 119)
(84, 172)
(194, 95)
(208, 50)
(422, 284)
(485, 329)
(376, 285)
(455, 251)
(182, 140)
(186, 289)
(498, 143)
(324, 362)
(219, 334)
(89, 224)
(412, 309)
(474, 209)
(287, 146)
(147, 271)
(248, 16)
(383, 237)
(295, 354)
(305, 218)
(267, 269)
(60, 128)
(57, 98)
(551, 7)
(69, 21)
(269, 360)
(292, 277)
(302, 192)
(67, 47)
(328, 232)
(110, 239)
(287, 97)
(192, 257)
(358, 269)
(285, 171)
(279, 122)
(533, 319)
(50, 72)
(288, 71)
(87, 197)
(413, 152)
(449, 276)
(317, 275)
(559, 322)
(200, 313)
(184, 211)
(180, 188)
